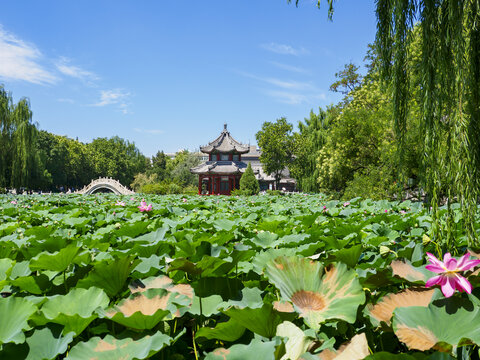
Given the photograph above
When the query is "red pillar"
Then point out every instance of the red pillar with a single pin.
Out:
(199, 184)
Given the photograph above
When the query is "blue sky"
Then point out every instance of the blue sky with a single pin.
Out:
(168, 74)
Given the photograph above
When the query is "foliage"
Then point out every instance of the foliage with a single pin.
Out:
(308, 141)
(248, 182)
(179, 168)
(276, 142)
(18, 160)
(450, 95)
(225, 277)
(142, 179)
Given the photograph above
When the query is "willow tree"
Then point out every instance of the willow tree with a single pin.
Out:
(17, 141)
(450, 96)
(450, 33)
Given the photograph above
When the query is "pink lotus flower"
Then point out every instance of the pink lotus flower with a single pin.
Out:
(346, 203)
(144, 207)
(386, 210)
(184, 200)
(13, 202)
(324, 207)
(449, 278)
(132, 198)
(120, 203)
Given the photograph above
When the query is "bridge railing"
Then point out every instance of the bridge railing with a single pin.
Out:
(105, 181)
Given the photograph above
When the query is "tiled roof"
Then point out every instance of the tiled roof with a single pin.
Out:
(220, 167)
(225, 143)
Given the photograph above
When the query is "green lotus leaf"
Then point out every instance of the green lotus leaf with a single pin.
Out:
(44, 345)
(349, 255)
(255, 350)
(441, 328)
(75, 310)
(251, 298)
(110, 348)
(144, 310)
(58, 261)
(317, 296)
(262, 321)
(14, 313)
(5, 266)
(206, 306)
(109, 275)
(33, 284)
(225, 331)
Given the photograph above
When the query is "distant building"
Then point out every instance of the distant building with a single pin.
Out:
(224, 163)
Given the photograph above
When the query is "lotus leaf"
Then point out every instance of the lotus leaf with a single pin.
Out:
(383, 310)
(44, 345)
(109, 275)
(317, 296)
(75, 310)
(14, 313)
(297, 342)
(145, 309)
(424, 328)
(255, 350)
(110, 348)
(225, 331)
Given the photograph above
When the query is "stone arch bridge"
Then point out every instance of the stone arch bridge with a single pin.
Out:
(105, 184)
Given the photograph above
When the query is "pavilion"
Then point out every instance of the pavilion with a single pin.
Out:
(224, 168)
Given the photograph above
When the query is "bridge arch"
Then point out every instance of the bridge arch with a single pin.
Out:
(105, 184)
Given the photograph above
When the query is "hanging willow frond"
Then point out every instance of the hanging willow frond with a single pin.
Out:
(330, 6)
(450, 93)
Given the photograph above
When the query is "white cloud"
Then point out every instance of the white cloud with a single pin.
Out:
(63, 65)
(114, 96)
(149, 131)
(284, 49)
(291, 68)
(66, 100)
(20, 60)
(295, 98)
(285, 84)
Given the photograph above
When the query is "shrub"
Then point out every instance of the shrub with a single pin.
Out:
(237, 192)
(190, 190)
(275, 192)
(248, 182)
(158, 189)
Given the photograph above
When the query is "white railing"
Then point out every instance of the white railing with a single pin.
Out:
(106, 181)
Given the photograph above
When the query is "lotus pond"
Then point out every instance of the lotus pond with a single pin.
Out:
(286, 277)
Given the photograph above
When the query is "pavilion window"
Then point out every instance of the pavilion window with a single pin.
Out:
(224, 183)
(214, 157)
(236, 157)
(224, 157)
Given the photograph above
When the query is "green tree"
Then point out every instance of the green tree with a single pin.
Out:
(277, 145)
(116, 158)
(450, 95)
(179, 168)
(18, 158)
(159, 165)
(248, 182)
(308, 141)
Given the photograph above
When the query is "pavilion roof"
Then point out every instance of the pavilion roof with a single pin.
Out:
(220, 167)
(225, 143)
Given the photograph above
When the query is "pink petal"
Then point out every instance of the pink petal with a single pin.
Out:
(463, 284)
(448, 288)
(451, 264)
(469, 264)
(434, 260)
(436, 280)
(463, 260)
(435, 269)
